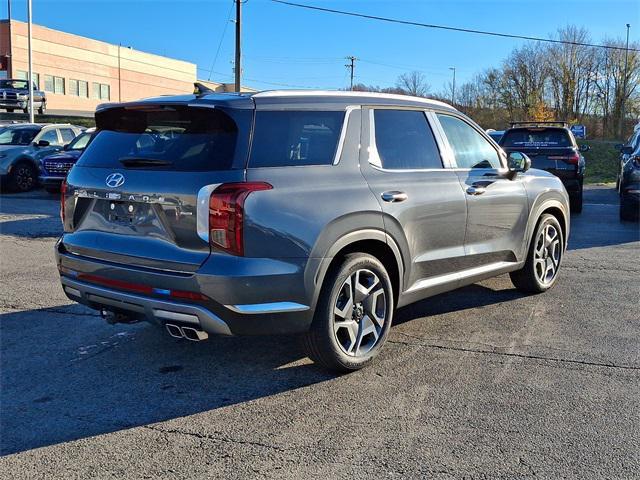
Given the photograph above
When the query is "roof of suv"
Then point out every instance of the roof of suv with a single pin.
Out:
(291, 98)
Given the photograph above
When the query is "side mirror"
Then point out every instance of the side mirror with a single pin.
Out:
(584, 148)
(618, 146)
(627, 150)
(66, 147)
(517, 162)
(43, 143)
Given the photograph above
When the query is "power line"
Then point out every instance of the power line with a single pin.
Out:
(224, 30)
(444, 27)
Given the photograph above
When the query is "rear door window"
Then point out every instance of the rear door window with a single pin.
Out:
(404, 140)
(295, 138)
(67, 135)
(470, 148)
(178, 138)
(537, 137)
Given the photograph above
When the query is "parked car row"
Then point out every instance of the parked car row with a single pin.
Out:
(628, 180)
(26, 150)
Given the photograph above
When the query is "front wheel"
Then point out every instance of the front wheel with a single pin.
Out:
(575, 201)
(541, 268)
(22, 177)
(43, 108)
(353, 314)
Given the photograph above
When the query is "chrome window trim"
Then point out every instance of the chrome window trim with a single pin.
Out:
(343, 132)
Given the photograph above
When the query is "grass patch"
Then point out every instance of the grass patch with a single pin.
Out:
(602, 161)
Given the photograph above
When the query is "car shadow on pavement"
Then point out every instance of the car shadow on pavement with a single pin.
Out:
(67, 375)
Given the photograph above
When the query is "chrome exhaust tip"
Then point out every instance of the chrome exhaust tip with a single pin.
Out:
(174, 330)
(194, 335)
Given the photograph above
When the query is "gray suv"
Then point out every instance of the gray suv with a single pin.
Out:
(315, 213)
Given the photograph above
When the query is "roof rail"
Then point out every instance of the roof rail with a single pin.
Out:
(533, 123)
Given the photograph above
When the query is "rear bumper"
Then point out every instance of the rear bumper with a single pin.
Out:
(241, 302)
(152, 309)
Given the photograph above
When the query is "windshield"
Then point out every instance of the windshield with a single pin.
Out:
(16, 84)
(536, 137)
(168, 138)
(80, 142)
(17, 136)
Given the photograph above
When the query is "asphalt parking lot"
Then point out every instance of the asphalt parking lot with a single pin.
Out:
(482, 382)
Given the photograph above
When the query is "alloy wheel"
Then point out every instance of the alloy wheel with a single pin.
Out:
(360, 313)
(24, 178)
(547, 254)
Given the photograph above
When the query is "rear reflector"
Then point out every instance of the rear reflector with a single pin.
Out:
(132, 287)
(226, 214)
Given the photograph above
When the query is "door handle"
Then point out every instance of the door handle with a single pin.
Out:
(475, 190)
(394, 196)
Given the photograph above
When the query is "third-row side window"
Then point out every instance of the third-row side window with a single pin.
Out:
(405, 141)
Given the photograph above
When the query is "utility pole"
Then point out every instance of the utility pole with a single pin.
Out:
(119, 75)
(624, 88)
(30, 80)
(238, 66)
(453, 86)
(351, 66)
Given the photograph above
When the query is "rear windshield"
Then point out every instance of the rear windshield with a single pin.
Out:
(175, 138)
(536, 137)
(295, 138)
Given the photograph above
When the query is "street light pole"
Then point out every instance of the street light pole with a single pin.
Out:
(624, 88)
(30, 79)
(453, 86)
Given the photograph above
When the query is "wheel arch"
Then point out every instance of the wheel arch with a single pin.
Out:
(555, 207)
(371, 241)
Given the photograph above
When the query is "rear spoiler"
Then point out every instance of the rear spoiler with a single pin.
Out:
(539, 124)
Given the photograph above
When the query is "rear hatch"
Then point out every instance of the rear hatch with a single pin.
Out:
(550, 149)
(133, 197)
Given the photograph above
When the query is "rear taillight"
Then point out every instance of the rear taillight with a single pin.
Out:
(573, 159)
(63, 193)
(226, 214)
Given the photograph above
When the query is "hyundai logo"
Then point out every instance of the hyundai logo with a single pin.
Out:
(115, 180)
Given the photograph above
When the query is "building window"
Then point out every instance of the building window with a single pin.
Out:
(35, 77)
(58, 85)
(101, 91)
(83, 89)
(48, 83)
(73, 87)
(105, 92)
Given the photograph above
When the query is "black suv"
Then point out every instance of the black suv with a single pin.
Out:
(551, 147)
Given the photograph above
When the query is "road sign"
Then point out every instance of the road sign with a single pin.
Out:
(580, 131)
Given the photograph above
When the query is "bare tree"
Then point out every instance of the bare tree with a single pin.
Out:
(413, 83)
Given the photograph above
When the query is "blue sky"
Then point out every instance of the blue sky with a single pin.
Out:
(299, 48)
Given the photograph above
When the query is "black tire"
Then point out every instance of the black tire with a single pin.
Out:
(526, 279)
(321, 342)
(23, 177)
(575, 201)
(42, 108)
(628, 211)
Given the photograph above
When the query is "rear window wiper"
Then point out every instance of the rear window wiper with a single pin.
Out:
(144, 162)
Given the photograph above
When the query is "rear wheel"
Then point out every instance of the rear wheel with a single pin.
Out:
(541, 268)
(575, 201)
(43, 108)
(22, 177)
(353, 315)
(628, 211)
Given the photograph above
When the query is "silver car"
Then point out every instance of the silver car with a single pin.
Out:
(314, 213)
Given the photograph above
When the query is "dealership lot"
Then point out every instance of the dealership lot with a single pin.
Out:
(481, 382)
